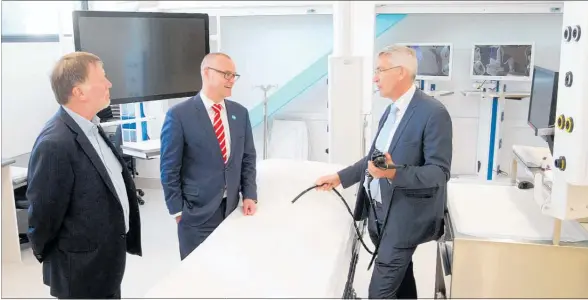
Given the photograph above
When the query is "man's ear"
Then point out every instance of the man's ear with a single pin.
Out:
(77, 92)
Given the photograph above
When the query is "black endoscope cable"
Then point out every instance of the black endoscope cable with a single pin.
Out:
(379, 161)
(357, 231)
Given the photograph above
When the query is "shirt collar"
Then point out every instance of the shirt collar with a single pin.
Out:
(86, 125)
(209, 103)
(404, 100)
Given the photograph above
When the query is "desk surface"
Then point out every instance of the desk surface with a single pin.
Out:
(149, 145)
(8, 162)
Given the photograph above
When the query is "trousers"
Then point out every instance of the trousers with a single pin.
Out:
(190, 237)
(392, 276)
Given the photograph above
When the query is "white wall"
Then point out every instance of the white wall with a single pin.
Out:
(462, 31)
(27, 99)
(269, 50)
(273, 49)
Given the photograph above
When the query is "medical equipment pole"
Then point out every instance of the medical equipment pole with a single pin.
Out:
(265, 89)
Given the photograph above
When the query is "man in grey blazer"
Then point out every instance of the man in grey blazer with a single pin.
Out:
(84, 216)
(416, 131)
(208, 156)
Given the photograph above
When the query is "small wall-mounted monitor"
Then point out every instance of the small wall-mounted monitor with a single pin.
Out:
(435, 60)
(512, 62)
(543, 102)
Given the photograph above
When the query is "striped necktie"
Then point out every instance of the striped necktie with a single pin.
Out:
(219, 130)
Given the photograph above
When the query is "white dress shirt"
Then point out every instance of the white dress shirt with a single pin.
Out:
(223, 114)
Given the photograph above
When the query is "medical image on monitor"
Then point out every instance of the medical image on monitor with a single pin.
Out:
(434, 60)
(502, 60)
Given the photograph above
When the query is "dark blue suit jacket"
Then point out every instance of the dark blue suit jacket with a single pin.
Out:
(417, 196)
(76, 222)
(193, 173)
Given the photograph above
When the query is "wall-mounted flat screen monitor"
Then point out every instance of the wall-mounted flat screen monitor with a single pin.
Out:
(434, 60)
(543, 101)
(146, 56)
(511, 62)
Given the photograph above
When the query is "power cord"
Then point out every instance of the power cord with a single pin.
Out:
(357, 231)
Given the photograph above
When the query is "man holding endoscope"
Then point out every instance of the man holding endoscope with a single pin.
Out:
(404, 198)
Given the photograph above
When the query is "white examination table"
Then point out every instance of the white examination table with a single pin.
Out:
(300, 250)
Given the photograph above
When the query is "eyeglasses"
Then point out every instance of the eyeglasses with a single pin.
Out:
(377, 71)
(228, 75)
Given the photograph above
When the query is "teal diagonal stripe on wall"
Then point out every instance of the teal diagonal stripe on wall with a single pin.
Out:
(311, 75)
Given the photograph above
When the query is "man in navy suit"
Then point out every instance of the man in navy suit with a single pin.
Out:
(208, 156)
(84, 215)
(416, 131)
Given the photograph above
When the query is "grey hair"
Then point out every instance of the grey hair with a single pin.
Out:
(404, 56)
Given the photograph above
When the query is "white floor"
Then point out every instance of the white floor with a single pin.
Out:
(160, 255)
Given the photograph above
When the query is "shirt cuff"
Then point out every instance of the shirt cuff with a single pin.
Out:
(178, 214)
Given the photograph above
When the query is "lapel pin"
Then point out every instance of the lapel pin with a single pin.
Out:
(233, 116)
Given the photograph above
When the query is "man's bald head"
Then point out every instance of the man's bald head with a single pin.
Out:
(211, 59)
(218, 75)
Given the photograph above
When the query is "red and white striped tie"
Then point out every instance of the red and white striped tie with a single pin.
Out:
(219, 130)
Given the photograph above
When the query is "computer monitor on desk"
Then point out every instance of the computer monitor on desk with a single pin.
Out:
(543, 102)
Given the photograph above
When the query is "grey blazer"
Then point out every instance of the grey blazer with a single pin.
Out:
(76, 223)
(415, 200)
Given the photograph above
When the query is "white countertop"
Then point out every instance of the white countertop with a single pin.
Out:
(505, 212)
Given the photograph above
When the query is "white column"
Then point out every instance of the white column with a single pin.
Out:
(570, 180)
(363, 43)
(350, 78)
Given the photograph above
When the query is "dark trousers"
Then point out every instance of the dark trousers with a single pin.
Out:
(392, 277)
(190, 237)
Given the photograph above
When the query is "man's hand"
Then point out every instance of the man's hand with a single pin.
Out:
(249, 207)
(329, 182)
(178, 218)
(379, 173)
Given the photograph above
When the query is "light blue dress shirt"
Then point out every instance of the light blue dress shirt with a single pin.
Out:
(383, 144)
(386, 134)
(111, 163)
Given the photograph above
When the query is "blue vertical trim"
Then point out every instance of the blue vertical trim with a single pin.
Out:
(143, 124)
(422, 85)
(493, 122)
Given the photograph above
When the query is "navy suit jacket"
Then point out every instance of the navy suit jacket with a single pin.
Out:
(193, 173)
(76, 222)
(416, 198)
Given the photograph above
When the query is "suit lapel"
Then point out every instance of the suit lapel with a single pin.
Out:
(89, 151)
(404, 121)
(127, 177)
(206, 125)
(232, 128)
(115, 151)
